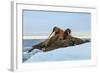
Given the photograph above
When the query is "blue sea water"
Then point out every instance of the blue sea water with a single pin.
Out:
(30, 42)
(27, 44)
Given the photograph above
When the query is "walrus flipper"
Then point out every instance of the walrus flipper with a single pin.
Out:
(30, 50)
(38, 46)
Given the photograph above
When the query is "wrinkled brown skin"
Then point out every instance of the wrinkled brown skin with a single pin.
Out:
(59, 40)
(58, 35)
(76, 41)
(59, 44)
(53, 44)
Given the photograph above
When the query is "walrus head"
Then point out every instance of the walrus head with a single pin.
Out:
(67, 33)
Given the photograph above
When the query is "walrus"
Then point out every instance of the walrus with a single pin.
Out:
(68, 40)
(58, 35)
(75, 40)
(60, 39)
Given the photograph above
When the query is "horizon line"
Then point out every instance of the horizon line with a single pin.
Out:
(45, 37)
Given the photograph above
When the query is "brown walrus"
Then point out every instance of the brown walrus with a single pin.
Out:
(58, 35)
(76, 41)
(60, 39)
(68, 40)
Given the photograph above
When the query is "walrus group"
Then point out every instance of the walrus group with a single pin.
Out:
(59, 39)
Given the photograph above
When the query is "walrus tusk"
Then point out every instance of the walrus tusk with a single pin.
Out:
(50, 35)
